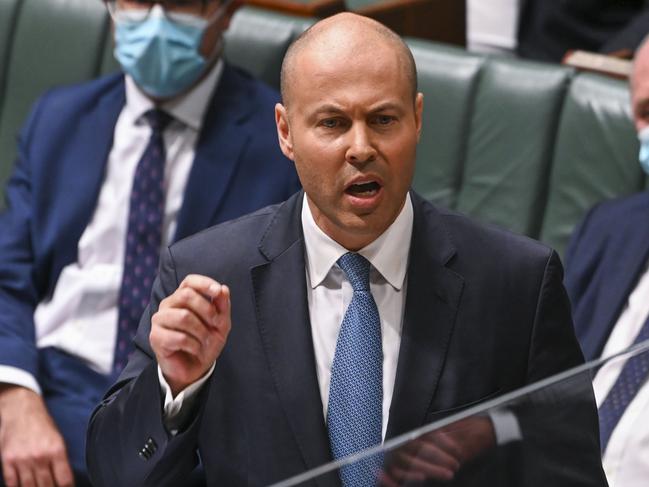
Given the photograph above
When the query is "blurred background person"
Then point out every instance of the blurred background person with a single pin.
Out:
(108, 173)
(548, 29)
(607, 278)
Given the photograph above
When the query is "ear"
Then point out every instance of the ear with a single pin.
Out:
(231, 8)
(284, 131)
(419, 111)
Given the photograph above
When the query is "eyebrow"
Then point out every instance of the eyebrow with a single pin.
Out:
(382, 107)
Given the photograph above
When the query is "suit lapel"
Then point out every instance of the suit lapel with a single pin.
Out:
(93, 139)
(218, 149)
(624, 266)
(432, 300)
(283, 319)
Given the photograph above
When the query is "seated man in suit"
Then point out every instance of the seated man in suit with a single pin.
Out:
(608, 283)
(108, 172)
(548, 29)
(353, 312)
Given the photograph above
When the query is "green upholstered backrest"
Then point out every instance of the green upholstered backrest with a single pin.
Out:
(53, 42)
(448, 77)
(257, 40)
(527, 146)
(595, 156)
(515, 115)
(8, 12)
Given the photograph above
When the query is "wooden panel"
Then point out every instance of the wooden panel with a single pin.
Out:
(438, 20)
(306, 8)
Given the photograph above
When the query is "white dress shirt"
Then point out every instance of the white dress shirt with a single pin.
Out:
(328, 294)
(492, 25)
(626, 459)
(81, 316)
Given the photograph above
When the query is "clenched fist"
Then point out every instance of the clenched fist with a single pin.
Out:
(190, 329)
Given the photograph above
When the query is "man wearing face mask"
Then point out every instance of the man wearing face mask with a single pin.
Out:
(108, 173)
(607, 278)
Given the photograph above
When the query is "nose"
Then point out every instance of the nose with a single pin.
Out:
(361, 146)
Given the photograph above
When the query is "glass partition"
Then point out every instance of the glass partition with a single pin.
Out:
(545, 434)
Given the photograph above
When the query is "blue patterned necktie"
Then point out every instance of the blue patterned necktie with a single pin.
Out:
(633, 375)
(354, 413)
(143, 237)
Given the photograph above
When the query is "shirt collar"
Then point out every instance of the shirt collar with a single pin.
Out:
(388, 254)
(188, 109)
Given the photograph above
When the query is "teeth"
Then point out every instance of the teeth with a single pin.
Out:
(364, 189)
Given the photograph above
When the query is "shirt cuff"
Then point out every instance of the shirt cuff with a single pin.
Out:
(506, 427)
(18, 377)
(177, 409)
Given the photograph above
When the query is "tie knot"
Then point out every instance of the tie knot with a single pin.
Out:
(357, 269)
(157, 120)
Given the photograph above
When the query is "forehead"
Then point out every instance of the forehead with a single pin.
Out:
(349, 72)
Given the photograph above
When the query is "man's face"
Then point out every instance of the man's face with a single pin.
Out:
(351, 127)
(200, 8)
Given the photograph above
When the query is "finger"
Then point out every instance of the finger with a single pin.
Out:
(203, 284)
(43, 476)
(439, 454)
(9, 474)
(223, 307)
(181, 320)
(172, 341)
(449, 444)
(25, 476)
(423, 469)
(189, 298)
(62, 472)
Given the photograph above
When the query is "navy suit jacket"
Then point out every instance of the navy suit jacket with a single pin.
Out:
(63, 149)
(547, 29)
(606, 256)
(485, 313)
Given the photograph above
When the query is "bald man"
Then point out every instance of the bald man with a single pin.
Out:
(351, 313)
(608, 282)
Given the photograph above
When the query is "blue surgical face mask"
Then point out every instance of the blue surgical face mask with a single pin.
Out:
(643, 137)
(162, 56)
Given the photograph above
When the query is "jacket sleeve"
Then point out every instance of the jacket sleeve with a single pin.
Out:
(127, 443)
(559, 423)
(19, 292)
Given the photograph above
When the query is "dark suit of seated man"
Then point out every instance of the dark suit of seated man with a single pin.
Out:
(86, 218)
(351, 313)
(608, 283)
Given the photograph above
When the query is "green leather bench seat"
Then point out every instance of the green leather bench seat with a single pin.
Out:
(523, 145)
(595, 156)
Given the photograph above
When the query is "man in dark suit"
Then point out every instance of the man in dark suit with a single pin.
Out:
(71, 206)
(548, 29)
(608, 284)
(351, 313)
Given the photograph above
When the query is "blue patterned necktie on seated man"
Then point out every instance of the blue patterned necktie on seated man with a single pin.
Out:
(143, 236)
(354, 413)
(634, 373)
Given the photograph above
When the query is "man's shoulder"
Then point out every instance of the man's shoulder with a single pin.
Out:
(230, 240)
(255, 90)
(623, 211)
(83, 93)
(466, 232)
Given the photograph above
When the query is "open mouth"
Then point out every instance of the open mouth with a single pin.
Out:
(363, 190)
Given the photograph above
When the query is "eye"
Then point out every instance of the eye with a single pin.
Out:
(384, 119)
(331, 123)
